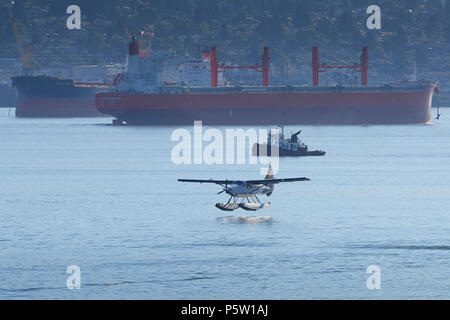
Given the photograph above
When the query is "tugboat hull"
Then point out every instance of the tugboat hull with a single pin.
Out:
(260, 150)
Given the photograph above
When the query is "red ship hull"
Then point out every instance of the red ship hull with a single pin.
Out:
(394, 106)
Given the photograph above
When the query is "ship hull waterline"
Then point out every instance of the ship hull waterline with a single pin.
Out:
(302, 108)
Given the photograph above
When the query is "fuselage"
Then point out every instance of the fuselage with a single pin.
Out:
(243, 190)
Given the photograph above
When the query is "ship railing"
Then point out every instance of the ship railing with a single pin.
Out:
(290, 88)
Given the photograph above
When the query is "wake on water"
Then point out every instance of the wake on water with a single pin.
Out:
(245, 220)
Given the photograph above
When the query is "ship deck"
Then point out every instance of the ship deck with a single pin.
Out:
(296, 88)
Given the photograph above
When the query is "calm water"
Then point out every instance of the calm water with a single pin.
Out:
(82, 192)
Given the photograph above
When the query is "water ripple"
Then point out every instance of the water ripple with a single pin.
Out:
(403, 247)
(245, 220)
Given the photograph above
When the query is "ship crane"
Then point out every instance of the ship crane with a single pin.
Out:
(362, 67)
(294, 137)
(23, 47)
(217, 68)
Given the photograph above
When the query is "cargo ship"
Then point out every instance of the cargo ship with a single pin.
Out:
(7, 96)
(43, 96)
(156, 91)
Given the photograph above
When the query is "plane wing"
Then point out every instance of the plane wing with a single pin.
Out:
(273, 181)
(253, 182)
(211, 181)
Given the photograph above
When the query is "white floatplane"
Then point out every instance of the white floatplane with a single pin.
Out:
(249, 190)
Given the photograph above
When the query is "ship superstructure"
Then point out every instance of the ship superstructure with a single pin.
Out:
(154, 73)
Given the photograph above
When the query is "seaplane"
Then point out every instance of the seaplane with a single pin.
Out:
(248, 190)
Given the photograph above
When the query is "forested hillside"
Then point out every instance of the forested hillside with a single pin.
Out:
(412, 30)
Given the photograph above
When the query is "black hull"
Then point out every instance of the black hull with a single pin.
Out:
(283, 152)
(44, 97)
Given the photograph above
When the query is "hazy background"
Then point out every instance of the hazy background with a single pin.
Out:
(417, 30)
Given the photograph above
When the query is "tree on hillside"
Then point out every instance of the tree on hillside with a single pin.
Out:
(345, 23)
(302, 15)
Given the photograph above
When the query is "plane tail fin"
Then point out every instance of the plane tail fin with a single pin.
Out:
(270, 176)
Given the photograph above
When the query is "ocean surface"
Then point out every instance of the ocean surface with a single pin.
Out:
(106, 199)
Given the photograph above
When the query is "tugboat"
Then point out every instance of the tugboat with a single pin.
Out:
(292, 147)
